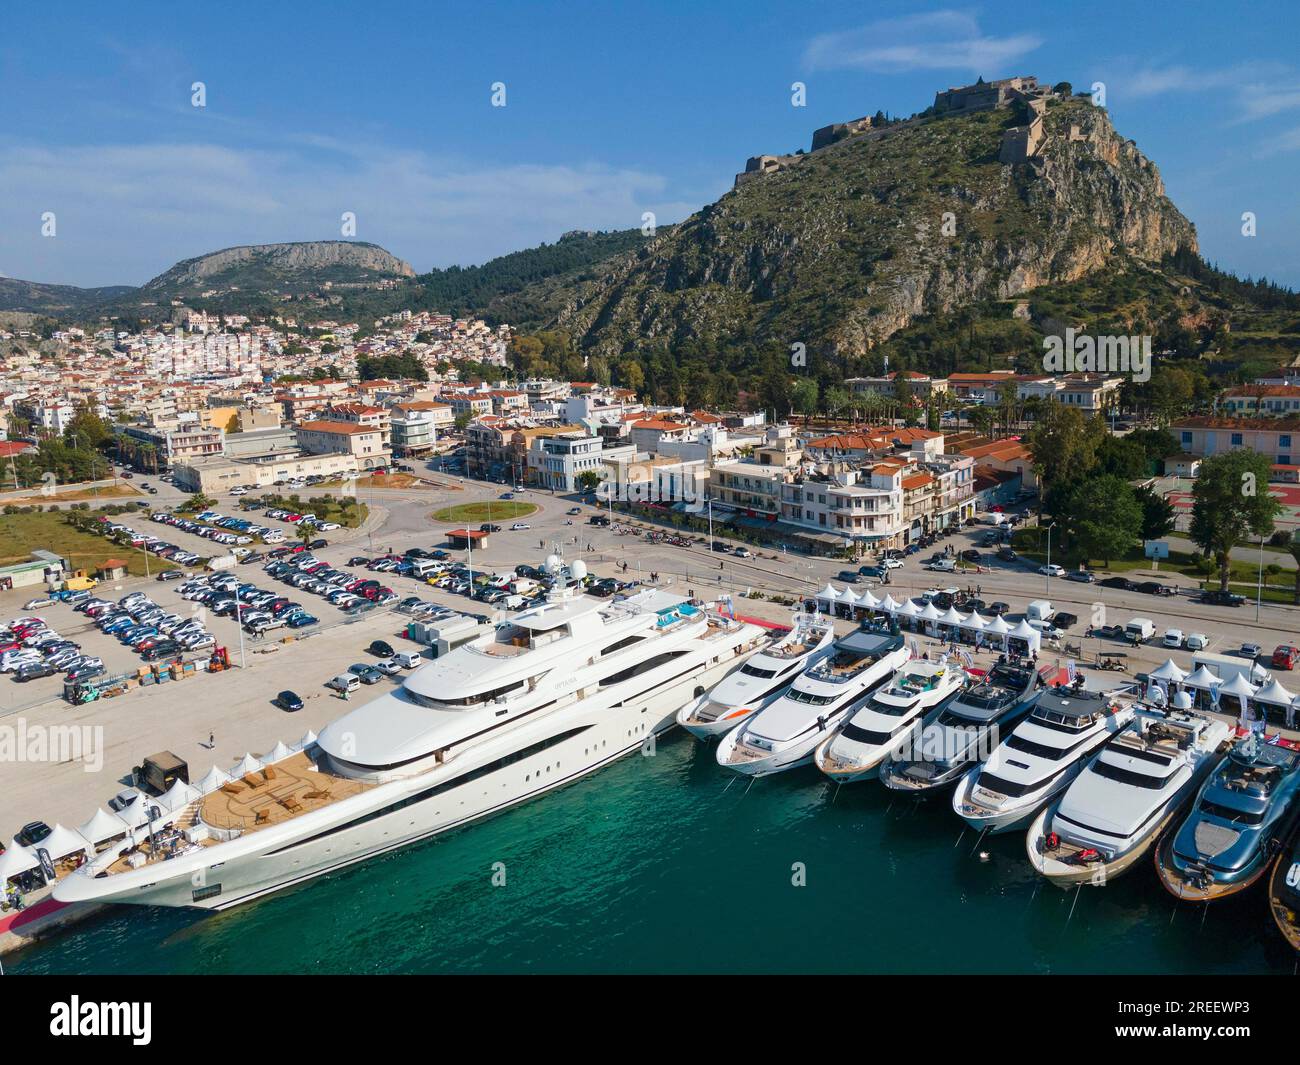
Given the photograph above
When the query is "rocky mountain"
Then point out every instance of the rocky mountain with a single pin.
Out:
(843, 247)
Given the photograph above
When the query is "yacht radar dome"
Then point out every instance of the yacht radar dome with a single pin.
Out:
(578, 570)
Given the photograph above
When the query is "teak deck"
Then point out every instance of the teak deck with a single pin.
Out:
(269, 798)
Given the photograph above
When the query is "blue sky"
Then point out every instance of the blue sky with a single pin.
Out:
(612, 109)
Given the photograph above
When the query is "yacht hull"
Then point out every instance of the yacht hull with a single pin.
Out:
(603, 733)
(1286, 919)
(1185, 890)
(1066, 875)
(715, 729)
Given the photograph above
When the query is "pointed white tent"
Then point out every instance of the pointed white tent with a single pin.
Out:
(930, 613)
(278, 753)
(16, 859)
(889, 604)
(868, 601)
(1025, 631)
(308, 738)
(828, 594)
(1169, 672)
(1202, 679)
(247, 764)
(62, 842)
(1274, 694)
(179, 795)
(1238, 686)
(951, 617)
(103, 826)
(909, 609)
(212, 780)
(997, 627)
(975, 623)
(135, 814)
(848, 598)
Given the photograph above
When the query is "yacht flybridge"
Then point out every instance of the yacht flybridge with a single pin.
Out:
(554, 693)
(1047, 750)
(886, 721)
(1126, 796)
(784, 734)
(759, 680)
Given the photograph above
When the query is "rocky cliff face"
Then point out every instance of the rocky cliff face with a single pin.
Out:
(854, 242)
(294, 262)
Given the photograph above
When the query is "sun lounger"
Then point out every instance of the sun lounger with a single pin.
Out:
(230, 789)
(250, 780)
(291, 804)
(259, 816)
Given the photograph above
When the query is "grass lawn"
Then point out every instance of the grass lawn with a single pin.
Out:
(477, 513)
(388, 480)
(76, 495)
(21, 534)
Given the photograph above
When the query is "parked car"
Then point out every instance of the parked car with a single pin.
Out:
(1285, 656)
(1122, 583)
(1083, 576)
(1155, 588)
(1196, 641)
(381, 649)
(1173, 638)
(1251, 651)
(1051, 570)
(367, 674)
(289, 701)
(1214, 597)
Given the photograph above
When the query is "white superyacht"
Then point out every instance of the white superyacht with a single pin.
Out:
(759, 680)
(555, 692)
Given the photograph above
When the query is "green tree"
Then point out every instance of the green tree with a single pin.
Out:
(1064, 446)
(1158, 514)
(804, 397)
(588, 480)
(1231, 502)
(1105, 517)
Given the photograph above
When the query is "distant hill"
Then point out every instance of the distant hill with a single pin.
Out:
(54, 300)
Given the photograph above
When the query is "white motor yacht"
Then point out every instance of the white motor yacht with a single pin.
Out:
(784, 734)
(883, 724)
(1129, 793)
(759, 680)
(1043, 754)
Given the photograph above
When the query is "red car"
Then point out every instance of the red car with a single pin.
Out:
(1286, 656)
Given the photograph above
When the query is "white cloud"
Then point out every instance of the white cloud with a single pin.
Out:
(938, 40)
(1256, 90)
(127, 212)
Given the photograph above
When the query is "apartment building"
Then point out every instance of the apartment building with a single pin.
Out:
(1262, 401)
(1278, 439)
(367, 444)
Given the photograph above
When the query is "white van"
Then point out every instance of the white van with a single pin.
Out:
(345, 682)
(408, 659)
(425, 567)
(1139, 630)
(1039, 610)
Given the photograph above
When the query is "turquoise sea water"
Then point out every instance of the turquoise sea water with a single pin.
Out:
(655, 864)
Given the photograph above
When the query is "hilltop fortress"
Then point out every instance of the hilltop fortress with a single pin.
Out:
(1020, 144)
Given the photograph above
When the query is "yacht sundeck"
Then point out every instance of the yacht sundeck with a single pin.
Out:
(1129, 793)
(963, 733)
(1043, 754)
(886, 721)
(1240, 817)
(757, 682)
(784, 734)
(554, 693)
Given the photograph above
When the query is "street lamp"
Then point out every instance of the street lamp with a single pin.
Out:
(1048, 567)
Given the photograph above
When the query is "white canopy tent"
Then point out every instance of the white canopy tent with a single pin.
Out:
(103, 826)
(247, 764)
(930, 613)
(136, 813)
(909, 609)
(308, 738)
(213, 779)
(179, 795)
(1238, 690)
(828, 594)
(16, 860)
(848, 598)
(1032, 638)
(1202, 679)
(868, 601)
(952, 617)
(975, 623)
(1274, 695)
(998, 626)
(62, 842)
(1169, 672)
(278, 753)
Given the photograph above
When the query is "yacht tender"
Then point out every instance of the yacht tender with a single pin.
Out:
(758, 681)
(557, 691)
